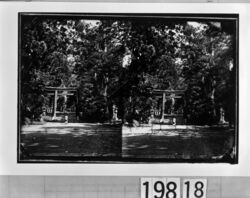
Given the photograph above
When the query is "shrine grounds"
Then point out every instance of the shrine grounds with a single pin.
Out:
(128, 88)
(71, 141)
(190, 143)
(112, 142)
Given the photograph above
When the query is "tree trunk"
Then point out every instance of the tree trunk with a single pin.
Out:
(212, 97)
(105, 94)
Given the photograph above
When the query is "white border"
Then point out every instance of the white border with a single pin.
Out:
(8, 92)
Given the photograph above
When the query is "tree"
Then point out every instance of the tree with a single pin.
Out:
(207, 72)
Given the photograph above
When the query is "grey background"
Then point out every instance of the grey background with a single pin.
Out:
(142, 1)
(106, 187)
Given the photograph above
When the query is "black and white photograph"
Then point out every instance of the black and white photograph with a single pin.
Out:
(127, 88)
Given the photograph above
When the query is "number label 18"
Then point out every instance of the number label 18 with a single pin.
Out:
(170, 188)
(194, 188)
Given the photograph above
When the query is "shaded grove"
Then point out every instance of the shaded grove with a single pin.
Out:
(122, 61)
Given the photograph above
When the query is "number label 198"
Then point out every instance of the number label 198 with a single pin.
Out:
(170, 188)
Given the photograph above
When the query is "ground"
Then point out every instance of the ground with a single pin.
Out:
(59, 140)
(190, 143)
(107, 142)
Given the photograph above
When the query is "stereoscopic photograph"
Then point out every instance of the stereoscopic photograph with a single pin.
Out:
(128, 88)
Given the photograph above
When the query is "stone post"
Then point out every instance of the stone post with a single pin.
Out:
(163, 106)
(77, 106)
(222, 116)
(115, 111)
(55, 105)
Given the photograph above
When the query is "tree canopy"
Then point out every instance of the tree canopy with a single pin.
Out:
(121, 61)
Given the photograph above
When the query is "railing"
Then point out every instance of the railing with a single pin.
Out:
(49, 110)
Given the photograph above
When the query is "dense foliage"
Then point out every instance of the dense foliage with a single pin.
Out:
(121, 61)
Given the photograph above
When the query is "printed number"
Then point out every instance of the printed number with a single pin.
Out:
(171, 190)
(164, 188)
(188, 188)
(159, 188)
(198, 189)
(146, 191)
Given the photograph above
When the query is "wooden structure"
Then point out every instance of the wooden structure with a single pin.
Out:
(64, 93)
(169, 109)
